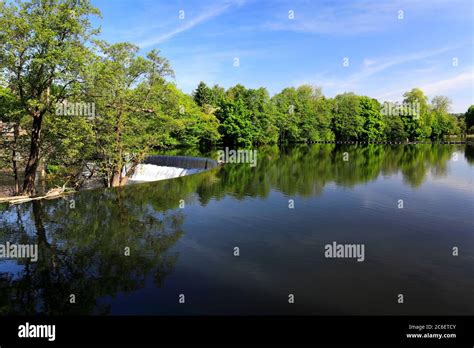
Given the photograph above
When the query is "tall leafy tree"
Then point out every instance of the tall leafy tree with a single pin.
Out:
(43, 43)
(373, 120)
(217, 95)
(287, 118)
(314, 112)
(236, 124)
(469, 119)
(442, 122)
(257, 102)
(128, 93)
(348, 122)
(417, 121)
(394, 128)
(202, 95)
(194, 126)
(13, 147)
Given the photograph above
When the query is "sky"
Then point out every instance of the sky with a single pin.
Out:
(370, 47)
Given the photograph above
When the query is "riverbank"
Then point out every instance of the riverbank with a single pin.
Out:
(178, 166)
(153, 168)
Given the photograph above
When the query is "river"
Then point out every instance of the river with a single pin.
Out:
(244, 240)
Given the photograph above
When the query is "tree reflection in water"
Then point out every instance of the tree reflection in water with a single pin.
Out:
(82, 249)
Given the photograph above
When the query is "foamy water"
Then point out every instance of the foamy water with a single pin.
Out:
(151, 172)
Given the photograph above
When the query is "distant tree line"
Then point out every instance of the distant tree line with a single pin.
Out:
(304, 114)
(50, 60)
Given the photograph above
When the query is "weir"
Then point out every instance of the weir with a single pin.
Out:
(181, 162)
(162, 167)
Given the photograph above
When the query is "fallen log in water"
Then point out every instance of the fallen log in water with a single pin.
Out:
(51, 194)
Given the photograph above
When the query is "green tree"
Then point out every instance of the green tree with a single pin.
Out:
(461, 123)
(237, 92)
(236, 124)
(348, 123)
(13, 147)
(313, 114)
(217, 95)
(373, 120)
(193, 126)
(417, 122)
(394, 128)
(129, 91)
(247, 105)
(469, 117)
(442, 122)
(286, 115)
(202, 95)
(43, 44)
(257, 102)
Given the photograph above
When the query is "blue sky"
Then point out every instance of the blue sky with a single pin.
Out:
(387, 55)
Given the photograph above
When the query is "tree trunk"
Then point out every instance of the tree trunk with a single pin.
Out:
(118, 179)
(33, 160)
(115, 180)
(130, 172)
(39, 224)
(16, 133)
(123, 181)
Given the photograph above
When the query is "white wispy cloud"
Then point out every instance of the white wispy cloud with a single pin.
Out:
(369, 62)
(461, 80)
(374, 66)
(433, 87)
(379, 65)
(374, 78)
(355, 17)
(205, 16)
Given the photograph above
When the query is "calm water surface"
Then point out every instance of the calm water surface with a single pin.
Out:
(190, 251)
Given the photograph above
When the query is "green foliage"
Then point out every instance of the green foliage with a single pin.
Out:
(348, 121)
(235, 123)
(394, 128)
(217, 95)
(442, 122)
(194, 127)
(44, 47)
(129, 91)
(10, 108)
(50, 37)
(202, 95)
(373, 129)
(257, 102)
(10, 114)
(247, 116)
(418, 123)
(469, 117)
(287, 118)
(303, 115)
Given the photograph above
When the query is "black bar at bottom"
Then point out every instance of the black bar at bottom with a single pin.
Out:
(134, 330)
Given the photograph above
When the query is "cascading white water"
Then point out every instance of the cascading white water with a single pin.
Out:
(151, 172)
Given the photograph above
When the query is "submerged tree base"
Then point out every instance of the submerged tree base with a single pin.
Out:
(51, 194)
